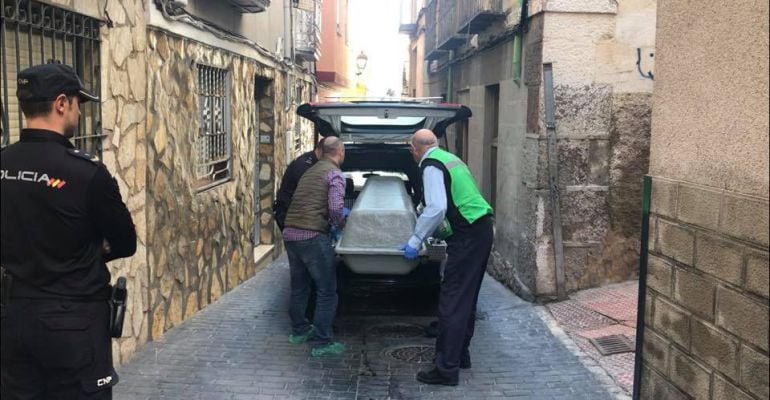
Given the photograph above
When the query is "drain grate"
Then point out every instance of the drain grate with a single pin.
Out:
(613, 344)
(396, 331)
(417, 354)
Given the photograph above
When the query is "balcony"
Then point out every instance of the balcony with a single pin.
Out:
(250, 6)
(477, 15)
(307, 31)
(448, 35)
(431, 52)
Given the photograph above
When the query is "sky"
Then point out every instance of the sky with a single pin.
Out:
(374, 29)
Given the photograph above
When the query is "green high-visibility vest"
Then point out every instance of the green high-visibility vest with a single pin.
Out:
(465, 204)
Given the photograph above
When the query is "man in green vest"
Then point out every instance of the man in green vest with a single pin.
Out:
(450, 192)
(317, 203)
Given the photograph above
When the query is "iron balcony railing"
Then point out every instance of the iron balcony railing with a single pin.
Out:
(477, 15)
(307, 30)
(430, 28)
(447, 20)
(448, 36)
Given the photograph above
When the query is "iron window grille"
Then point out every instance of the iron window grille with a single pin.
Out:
(34, 33)
(213, 151)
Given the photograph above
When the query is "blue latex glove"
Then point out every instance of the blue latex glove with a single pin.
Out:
(345, 212)
(410, 253)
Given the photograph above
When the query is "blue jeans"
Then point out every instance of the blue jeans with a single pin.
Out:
(313, 261)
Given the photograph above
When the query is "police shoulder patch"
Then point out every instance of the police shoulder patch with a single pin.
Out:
(82, 154)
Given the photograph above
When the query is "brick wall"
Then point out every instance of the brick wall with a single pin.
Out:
(706, 334)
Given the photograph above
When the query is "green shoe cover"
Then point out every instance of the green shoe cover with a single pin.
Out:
(331, 349)
(299, 339)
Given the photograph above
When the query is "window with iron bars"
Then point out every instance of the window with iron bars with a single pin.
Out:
(35, 33)
(213, 151)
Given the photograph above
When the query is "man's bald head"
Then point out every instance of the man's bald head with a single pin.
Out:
(424, 138)
(422, 141)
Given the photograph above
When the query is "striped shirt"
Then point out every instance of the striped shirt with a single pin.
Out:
(336, 182)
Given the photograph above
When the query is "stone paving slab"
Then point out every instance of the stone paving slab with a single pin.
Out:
(598, 312)
(237, 349)
(614, 301)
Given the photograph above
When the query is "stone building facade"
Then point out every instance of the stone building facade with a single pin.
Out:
(194, 243)
(706, 334)
(603, 108)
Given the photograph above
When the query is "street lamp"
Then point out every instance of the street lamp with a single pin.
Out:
(361, 63)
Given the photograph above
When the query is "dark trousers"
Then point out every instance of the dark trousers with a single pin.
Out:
(312, 261)
(467, 256)
(56, 349)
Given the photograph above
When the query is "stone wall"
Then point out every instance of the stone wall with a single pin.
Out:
(602, 126)
(124, 121)
(708, 300)
(204, 240)
(707, 295)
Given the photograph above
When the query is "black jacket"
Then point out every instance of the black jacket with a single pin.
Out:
(289, 183)
(58, 206)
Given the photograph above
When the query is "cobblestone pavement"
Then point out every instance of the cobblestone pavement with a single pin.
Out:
(595, 313)
(237, 349)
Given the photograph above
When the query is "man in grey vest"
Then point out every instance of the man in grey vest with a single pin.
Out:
(317, 203)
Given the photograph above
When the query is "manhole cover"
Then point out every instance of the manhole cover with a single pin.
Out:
(417, 354)
(613, 344)
(396, 331)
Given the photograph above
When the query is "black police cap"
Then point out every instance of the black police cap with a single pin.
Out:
(45, 82)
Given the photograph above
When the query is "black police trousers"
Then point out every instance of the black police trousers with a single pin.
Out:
(56, 349)
(467, 256)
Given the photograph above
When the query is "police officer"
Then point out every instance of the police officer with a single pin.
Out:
(62, 219)
(450, 192)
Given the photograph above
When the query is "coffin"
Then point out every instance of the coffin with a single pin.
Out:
(382, 218)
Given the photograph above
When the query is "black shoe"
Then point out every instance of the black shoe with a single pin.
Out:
(431, 330)
(465, 361)
(433, 377)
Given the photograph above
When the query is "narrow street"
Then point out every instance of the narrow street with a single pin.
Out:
(237, 349)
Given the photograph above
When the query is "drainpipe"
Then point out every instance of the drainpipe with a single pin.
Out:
(288, 41)
(449, 81)
(517, 59)
(642, 296)
(518, 41)
(449, 88)
(288, 52)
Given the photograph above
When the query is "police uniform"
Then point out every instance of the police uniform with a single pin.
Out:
(62, 219)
